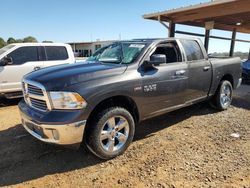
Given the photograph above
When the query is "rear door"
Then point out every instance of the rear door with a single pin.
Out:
(56, 55)
(25, 60)
(200, 70)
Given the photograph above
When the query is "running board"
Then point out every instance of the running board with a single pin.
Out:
(13, 95)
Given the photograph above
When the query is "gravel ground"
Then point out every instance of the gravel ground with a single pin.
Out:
(192, 147)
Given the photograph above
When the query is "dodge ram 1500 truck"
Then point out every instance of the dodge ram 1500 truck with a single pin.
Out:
(99, 103)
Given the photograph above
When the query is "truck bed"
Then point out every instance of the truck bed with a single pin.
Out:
(222, 67)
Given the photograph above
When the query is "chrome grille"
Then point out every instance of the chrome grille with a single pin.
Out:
(35, 90)
(35, 95)
(39, 104)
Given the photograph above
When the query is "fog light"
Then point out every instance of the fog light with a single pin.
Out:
(55, 134)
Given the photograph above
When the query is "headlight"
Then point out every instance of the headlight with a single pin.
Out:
(67, 100)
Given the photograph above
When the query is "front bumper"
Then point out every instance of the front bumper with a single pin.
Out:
(68, 134)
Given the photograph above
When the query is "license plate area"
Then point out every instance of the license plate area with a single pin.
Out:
(38, 130)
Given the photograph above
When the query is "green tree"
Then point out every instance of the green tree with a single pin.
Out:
(47, 41)
(11, 40)
(29, 39)
(2, 43)
(19, 40)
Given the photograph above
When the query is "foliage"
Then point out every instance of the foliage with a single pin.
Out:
(11, 40)
(19, 40)
(47, 41)
(2, 43)
(29, 39)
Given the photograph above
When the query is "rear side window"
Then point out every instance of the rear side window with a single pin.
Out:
(24, 54)
(55, 53)
(193, 50)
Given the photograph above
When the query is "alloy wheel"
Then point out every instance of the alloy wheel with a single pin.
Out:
(114, 134)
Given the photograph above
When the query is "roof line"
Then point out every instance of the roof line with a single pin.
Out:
(91, 42)
(188, 8)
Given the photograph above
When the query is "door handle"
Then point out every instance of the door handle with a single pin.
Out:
(206, 68)
(36, 68)
(180, 73)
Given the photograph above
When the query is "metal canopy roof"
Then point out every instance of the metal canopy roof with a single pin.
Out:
(226, 14)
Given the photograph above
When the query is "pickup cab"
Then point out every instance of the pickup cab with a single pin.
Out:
(99, 103)
(16, 60)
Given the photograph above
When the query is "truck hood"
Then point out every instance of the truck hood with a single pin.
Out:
(58, 77)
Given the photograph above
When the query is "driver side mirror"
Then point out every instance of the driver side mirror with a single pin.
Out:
(6, 61)
(157, 59)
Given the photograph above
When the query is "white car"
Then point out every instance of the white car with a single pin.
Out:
(16, 60)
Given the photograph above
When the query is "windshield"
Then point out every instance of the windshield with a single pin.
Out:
(121, 52)
(6, 48)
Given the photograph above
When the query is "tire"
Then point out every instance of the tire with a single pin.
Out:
(223, 96)
(110, 133)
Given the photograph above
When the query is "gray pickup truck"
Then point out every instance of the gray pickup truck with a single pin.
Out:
(100, 102)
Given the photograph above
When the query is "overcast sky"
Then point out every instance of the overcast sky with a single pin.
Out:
(82, 20)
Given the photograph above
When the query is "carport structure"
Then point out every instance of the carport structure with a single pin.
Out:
(228, 15)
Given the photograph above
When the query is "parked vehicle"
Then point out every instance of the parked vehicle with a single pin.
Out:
(16, 60)
(246, 71)
(101, 102)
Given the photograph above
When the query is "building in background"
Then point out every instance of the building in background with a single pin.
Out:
(86, 49)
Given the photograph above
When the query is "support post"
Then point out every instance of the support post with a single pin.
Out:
(231, 53)
(164, 24)
(207, 38)
(171, 29)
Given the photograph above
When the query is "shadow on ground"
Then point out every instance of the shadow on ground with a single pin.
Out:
(9, 102)
(242, 97)
(241, 103)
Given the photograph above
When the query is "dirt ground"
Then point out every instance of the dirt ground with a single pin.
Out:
(191, 147)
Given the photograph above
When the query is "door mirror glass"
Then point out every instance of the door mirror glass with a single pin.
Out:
(157, 59)
(6, 61)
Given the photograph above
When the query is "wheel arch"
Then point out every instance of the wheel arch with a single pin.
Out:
(228, 77)
(120, 101)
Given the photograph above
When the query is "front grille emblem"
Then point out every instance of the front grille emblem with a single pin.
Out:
(26, 95)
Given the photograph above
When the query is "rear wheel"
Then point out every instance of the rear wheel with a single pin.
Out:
(111, 133)
(223, 97)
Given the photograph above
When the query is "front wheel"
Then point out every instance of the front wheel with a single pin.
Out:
(224, 95)
(110, 133)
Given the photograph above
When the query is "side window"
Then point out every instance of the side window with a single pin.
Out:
(193, 50)
(171, 51)
(24, 54)
(41, 53)
(55, 53)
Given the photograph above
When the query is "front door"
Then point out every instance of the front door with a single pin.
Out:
(164, 86)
